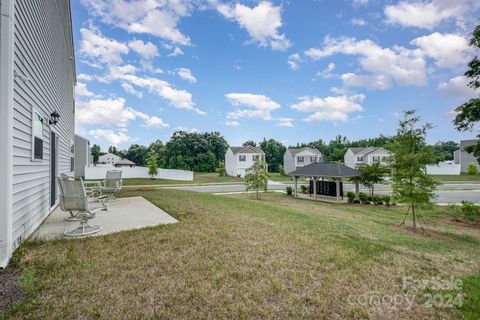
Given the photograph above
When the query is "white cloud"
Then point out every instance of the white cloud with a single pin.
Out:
(330, 108)
(358, 22)
(366, 81)
(130, 89)
(155, 122)
(360, 2)
(261, 22)
(397, 64)
(96, 48)
(457, 87)
(251, 106)
(294, 61)
(146, 50)
(285, 122)
(232, 123)
(156, 17)
(114, 138)
(84, 77)
(327, 73)
(82, 91)
(186, 74)
(448, 50)
(428, 14)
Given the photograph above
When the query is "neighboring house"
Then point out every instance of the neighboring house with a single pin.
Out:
(37, 113)
(83, 156)
(109, 158)
(356, 157)
(295, 158)
(124, 163)
(465, 158)
(238, 159)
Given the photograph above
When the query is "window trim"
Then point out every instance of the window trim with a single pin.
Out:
(32, 143)
(358, 159)
(242, 156)
(301, 161)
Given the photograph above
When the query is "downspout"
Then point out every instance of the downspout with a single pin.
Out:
(6, 128)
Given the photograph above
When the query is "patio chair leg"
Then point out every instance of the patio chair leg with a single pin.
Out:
(73, 217)
(83, 229)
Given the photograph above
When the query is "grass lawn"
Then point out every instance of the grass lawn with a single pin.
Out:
(198, 179)
(275, 176)
(463, 178)
(235, 257)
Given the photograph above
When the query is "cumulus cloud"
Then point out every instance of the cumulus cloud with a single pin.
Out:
(84, 77)
(156, 17)
(428, 14)
(294, 61)
(95, 48)
(186, 74)
(285, 122)
(327, 73)
(330, 108)
(358, 22)
(448, 50)
(261, 22)
(251, 106)
(82, 91)
(397, 64)
(457, 87)
(232, 123)
(130, 89)
(146, 50)
(360, 2)
(113, 137)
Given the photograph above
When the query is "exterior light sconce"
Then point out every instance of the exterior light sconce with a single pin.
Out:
(54, 116)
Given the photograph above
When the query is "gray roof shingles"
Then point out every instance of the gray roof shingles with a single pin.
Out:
(247, 149)
(326, 169)
(294, 151)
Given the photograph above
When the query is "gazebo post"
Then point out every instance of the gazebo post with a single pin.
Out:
(296, 180)
(337, 184)
(314, 188)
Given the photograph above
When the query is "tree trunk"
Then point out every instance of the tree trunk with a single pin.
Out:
(373, 190)
(414, 219)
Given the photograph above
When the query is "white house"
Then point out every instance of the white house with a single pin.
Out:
(295, 158)
(238, 159)
(109, 158)
(356, 157)
(83, 157)
(37, 113)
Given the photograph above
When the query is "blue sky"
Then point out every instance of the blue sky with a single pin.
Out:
(295, 71)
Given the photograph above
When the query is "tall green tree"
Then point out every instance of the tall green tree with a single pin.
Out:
(411, 185)
(468, 114)
(274, 151)
(115, 151)
(256, 177)
(249, 143)
(372, 174)
(138, 154)
(95, 152)
(152, 164)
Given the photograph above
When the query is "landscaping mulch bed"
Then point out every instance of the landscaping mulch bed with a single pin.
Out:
(10, 291)
(424, 233)
(475, 225)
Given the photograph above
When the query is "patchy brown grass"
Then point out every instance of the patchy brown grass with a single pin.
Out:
(234, 257)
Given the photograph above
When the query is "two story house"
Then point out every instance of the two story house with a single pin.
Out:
(356, 157)
(37, 114)
(295, 158)
(109, 158)
(239, 159)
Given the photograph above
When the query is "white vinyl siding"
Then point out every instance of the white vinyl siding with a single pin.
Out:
(44, 81)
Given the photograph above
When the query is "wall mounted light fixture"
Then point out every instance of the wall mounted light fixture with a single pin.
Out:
(54, 116)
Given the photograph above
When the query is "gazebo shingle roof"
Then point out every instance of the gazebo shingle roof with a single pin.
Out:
(327, 170)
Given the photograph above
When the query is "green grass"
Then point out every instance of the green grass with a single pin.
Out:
(235, 257)
(199, 178)
(463, 178)
(275, 176)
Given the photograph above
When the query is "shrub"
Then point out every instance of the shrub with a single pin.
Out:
(386, 200)
(468, 211)
(281, 170)
(289, 191)
(377, 200)
(221, 169)
(303, 188)
(364, 198)
(472, 169)
(350, 196)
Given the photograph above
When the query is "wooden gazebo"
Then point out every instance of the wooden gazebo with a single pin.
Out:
(318, 172)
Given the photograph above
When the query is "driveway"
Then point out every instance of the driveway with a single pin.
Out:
(447, 193)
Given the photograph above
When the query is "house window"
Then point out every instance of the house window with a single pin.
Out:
(375, 159)
(313, 159)
(255, 157)
(37, 136)
(263, 158)
(300, 159)
(359, 159)
(242, 158)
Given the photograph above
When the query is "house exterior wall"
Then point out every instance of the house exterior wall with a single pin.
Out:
(235, 167)
(230, 163)
(349, 159)
(43, 80)
(108, 158)
(291, 163)
(377, 153)
(288, 162)
(466, 159)
(82, 155)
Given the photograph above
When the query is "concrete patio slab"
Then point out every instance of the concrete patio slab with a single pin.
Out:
(123, 214)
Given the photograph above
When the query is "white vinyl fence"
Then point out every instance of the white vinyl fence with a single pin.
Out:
(447, 168)
(99, 172)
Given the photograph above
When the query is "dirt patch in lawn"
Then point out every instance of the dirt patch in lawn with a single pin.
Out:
(425, 233)
(475, 225)
(10, 291)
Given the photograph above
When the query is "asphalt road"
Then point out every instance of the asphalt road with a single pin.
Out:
(447, 193)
